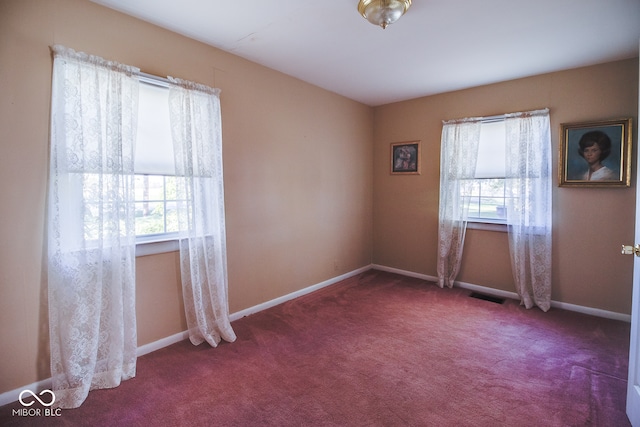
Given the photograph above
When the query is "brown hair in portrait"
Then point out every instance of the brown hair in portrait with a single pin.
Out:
(595, 137)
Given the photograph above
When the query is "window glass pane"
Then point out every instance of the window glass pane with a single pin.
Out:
(489, 207)
(149, 187)
(155, 188)
(150, 218)
(156, 205)
(172, 217)
(139, 185)
(493, 187)
(474, 207)
(488, 201)
(473, 187)
(170, 187)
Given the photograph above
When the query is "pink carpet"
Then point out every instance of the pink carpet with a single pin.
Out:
(379, 350)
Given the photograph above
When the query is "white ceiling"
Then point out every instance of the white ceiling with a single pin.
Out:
(438, 46)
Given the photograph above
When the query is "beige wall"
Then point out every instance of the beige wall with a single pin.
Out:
(589, 225)
(297, 159)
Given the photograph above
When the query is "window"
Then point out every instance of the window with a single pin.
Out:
(488, 199)
(155, 206)
(155, 182)
(100, 147)
(156, 218)
(469, 171)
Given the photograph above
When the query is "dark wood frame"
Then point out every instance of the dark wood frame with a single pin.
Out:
(410, 166)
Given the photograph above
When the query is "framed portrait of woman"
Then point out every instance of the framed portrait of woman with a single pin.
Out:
(405, 158)
(595, 154)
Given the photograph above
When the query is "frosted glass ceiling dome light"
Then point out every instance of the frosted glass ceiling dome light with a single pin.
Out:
(383, 12)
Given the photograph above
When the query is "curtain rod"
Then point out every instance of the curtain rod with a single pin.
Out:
(154, 80)
(497, 118)
(169, 82)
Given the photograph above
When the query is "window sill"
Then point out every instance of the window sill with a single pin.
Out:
(156, 247)
(487, 226)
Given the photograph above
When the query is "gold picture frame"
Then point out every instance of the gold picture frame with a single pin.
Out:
(405, 158)
(595, 154)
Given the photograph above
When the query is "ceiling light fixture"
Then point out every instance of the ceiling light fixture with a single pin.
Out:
(383, 12)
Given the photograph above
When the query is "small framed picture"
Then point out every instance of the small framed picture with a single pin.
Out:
(405, 157)
(595, 154)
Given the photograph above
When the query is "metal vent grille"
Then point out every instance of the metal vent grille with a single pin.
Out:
(489, 298)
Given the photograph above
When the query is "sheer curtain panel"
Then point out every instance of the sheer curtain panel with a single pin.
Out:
(458, 155)
(528, 188)
(91, 234)
(197, 138)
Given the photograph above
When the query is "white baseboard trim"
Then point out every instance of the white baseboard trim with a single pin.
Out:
(512, 295)
(487, 291)
(592, 311)
(161, 343)
(12, 395)
(404, 272)
(265, 305)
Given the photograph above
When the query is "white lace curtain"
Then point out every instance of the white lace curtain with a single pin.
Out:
(458, 156)
(91, 230)
(197, 139)
(528, 187)
(91, 235)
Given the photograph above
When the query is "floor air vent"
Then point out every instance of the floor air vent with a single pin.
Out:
(484, 297)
